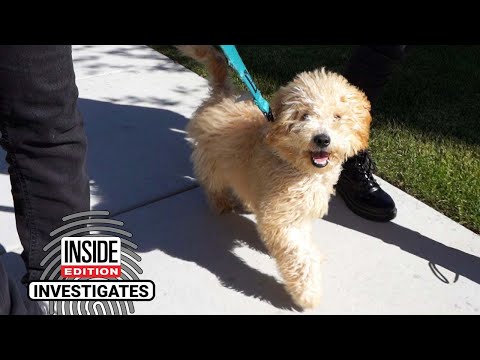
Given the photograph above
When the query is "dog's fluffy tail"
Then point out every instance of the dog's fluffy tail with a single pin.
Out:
(215, 63)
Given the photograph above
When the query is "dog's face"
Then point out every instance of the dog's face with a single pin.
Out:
(320, 120)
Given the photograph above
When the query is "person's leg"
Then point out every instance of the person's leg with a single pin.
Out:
(14, 301)
(43, 134)
(370, 68)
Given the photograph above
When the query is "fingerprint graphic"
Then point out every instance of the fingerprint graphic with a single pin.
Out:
(91, 223)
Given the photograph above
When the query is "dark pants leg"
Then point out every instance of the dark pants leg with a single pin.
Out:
(371, 67)
(14, 299)
(42, 132)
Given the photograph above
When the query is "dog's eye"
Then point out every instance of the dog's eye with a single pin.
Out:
(337, 117)
(304, 117)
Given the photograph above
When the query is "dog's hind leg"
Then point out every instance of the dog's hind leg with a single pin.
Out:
(220, 200)
(216, 190)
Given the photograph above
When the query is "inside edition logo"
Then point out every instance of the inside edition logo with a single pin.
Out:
(88, 275)
(88, 257)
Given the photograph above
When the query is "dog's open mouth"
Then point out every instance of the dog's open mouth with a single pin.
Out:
(320, 159)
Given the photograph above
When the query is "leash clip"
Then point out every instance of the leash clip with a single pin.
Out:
(269, 116)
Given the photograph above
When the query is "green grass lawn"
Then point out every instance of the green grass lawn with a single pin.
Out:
(426, 131)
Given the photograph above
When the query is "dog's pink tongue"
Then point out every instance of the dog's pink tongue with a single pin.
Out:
(320, 157)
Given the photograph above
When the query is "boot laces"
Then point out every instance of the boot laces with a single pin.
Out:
(365, 167)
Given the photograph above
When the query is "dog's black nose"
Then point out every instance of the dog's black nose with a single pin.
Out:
(322, 140)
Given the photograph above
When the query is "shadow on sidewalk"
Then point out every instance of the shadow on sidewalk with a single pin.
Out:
(121, 59)
(437, 254)
(135, 154)
(8, 209)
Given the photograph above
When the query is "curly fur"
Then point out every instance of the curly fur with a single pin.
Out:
(268, 166)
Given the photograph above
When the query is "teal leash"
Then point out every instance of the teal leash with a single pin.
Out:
(236, 63)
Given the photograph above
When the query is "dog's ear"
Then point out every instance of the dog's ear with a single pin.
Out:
(280, 126)
(362, 115)
(277, 102)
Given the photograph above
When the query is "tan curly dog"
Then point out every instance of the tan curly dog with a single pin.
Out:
(282, 171)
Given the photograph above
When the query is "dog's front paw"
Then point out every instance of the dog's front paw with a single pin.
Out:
(306, 289)
(310, 298)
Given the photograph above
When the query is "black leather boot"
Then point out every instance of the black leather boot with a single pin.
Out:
(361, 192)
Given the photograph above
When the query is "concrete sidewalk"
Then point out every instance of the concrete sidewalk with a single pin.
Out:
(136, 103)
